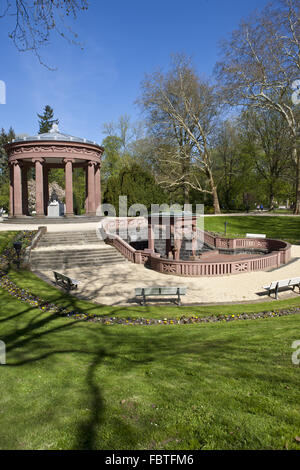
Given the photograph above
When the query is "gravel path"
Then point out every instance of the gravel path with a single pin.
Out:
(115, 285)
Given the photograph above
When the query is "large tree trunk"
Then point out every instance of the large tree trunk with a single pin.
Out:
(186, 194)
(214, 192)
(296, 157)
(216, 200)
(214, 195)
(271, 196)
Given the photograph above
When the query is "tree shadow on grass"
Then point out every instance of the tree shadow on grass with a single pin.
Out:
(32, 336)
(35, 336)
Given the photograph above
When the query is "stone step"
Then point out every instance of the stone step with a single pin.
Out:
(76, 233)
(71, 239)
(61, 250)
(73, 250)
(48, 243)
(56, 264)
(75, 260)
(79, 257)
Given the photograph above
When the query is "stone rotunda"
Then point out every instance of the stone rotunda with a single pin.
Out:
(44, 152)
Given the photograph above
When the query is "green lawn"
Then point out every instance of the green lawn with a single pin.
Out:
(282, 228)
(78, 385)
(35, 285)
(6, 238)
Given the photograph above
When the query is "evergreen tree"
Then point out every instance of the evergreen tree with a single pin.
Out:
(137, 184)
(5, 137)
(46, 120)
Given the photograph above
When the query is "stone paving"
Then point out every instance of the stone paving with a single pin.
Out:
(114, 285)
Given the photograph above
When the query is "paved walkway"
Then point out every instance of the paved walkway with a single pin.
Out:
(51, 227)
(115, 285)
(63, 227)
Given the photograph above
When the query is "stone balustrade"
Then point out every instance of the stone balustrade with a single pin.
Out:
(274, 253)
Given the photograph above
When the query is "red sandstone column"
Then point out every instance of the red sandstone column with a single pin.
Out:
(168, 245)
(24, 191)
(46, 189)
(177, 246)
(11, 191)
(91, 188)
(194, 236)
(150, 237)
(97, 189)
(177, 240)
(17, 190)
(69, 186)
(86, 190)
(39, 189)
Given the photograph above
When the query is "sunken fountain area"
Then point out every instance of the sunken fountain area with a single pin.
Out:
(218, 256)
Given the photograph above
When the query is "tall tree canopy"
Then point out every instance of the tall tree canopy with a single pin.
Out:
(268, 136)
(260, 64)
(181, 112)
(137, 184)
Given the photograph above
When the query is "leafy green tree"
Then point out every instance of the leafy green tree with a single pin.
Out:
(5, 137)
(268, 133)
(46, 120)
(111, 160)
(137, 184)
(4, 195)
(260, 67)
(120, 145)
(79, 190)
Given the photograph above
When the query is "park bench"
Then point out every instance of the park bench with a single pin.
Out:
(160, 291)
(284, 284)
(255, 235)
(65, 281)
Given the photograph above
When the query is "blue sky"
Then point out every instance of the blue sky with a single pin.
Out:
(122, 41)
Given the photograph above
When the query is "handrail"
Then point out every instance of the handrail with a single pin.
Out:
(279, 252)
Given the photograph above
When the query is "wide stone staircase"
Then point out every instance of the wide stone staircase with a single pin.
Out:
(67, 250)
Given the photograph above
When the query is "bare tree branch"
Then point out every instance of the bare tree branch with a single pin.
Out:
(35, 20)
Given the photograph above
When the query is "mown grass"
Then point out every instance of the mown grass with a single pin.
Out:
(6, 238)
(37, 286)
(78, 385)
(282, 228)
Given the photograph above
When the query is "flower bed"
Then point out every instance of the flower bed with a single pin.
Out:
(8, 254)
(37, 302)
